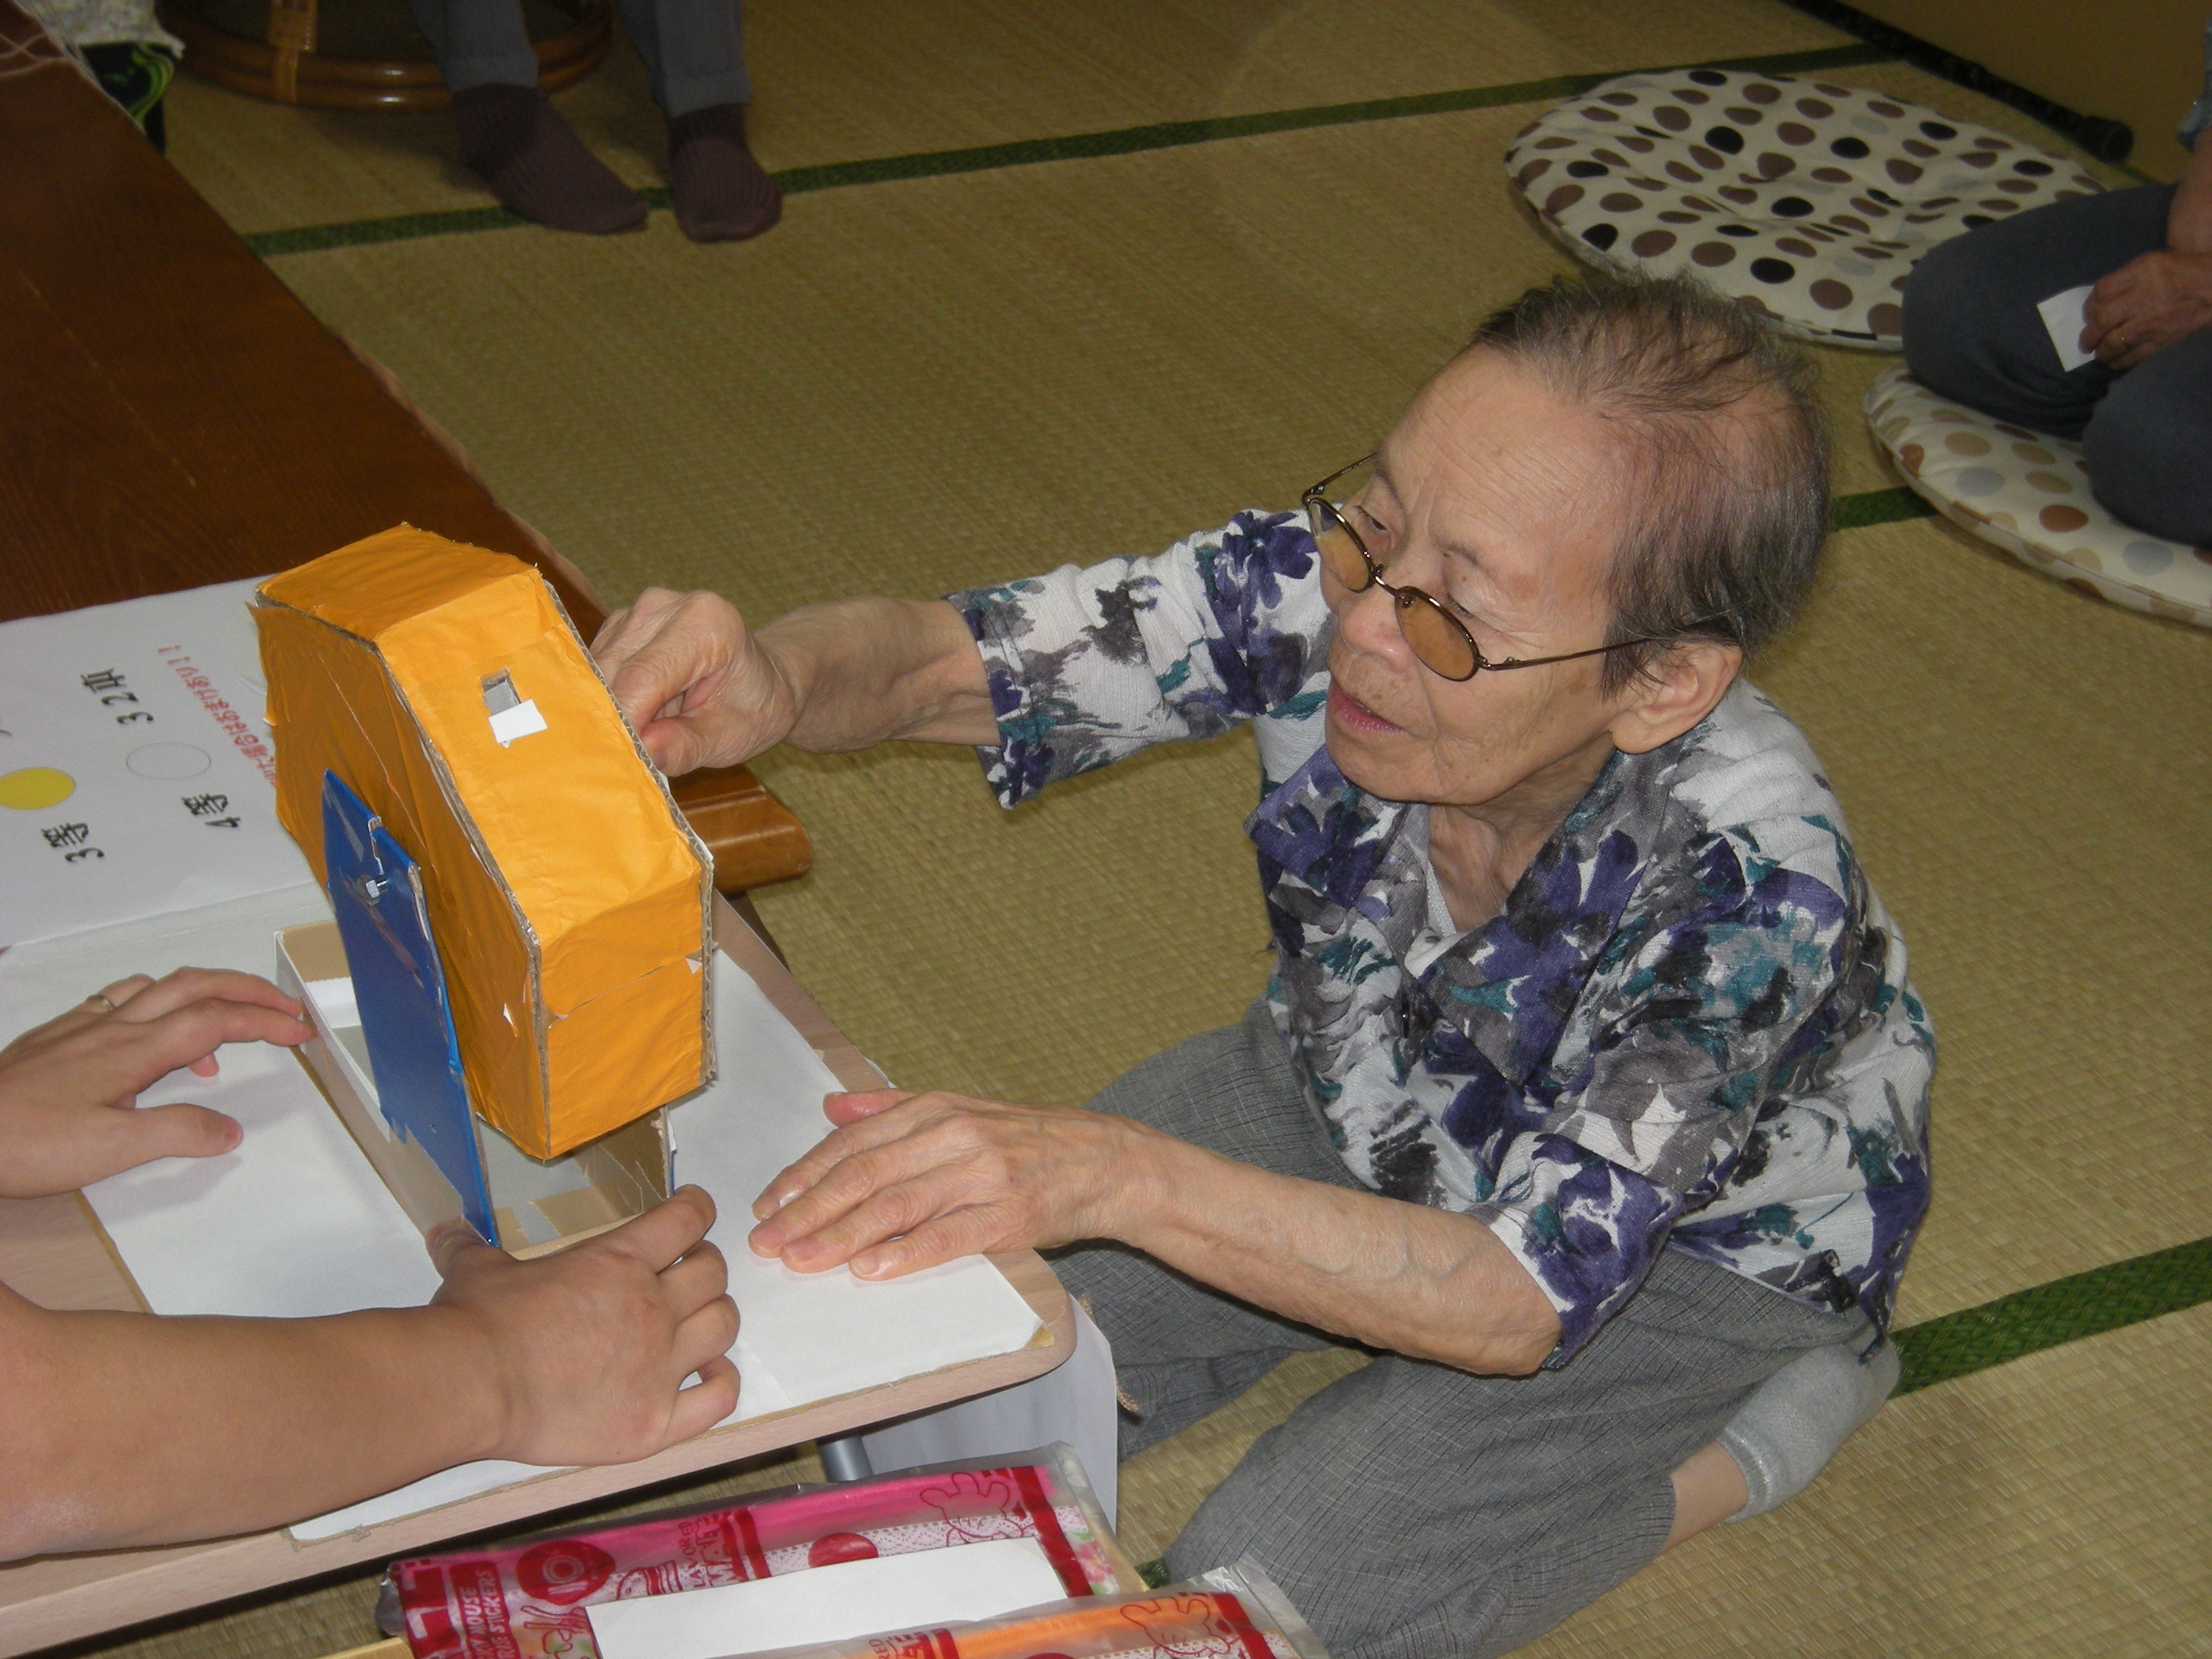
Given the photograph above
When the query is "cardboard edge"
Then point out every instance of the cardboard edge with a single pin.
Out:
(709, 1061)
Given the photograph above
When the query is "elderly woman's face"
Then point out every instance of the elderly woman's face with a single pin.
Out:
(1503, 502)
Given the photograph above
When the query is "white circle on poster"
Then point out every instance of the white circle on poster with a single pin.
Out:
(168, 761)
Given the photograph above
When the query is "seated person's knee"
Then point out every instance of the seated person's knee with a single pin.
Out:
(2147, 460)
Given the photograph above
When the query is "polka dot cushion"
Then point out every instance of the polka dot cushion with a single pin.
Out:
(2029, 494)
(1807, 202)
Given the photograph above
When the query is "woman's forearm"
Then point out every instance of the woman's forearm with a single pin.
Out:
(122, 1429)
(1387, 1273)
(2189, 220)
(867, 670)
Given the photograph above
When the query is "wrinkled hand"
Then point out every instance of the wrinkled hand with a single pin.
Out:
(694, 682)
(2146, 304)
(590, 1346)
(68, 1087)
(907, 1180)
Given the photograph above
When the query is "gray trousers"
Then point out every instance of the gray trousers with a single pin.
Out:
(1411, 1510)
(695, 55)
(1971, 333)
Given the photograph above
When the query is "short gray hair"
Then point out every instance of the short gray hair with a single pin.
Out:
(1723, 537)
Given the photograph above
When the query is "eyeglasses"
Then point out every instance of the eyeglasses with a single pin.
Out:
(1438, 640)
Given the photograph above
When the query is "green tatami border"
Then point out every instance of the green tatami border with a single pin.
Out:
(1082, 146)
(2107, 1298)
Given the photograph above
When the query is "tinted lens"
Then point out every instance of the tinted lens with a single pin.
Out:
(1341, 551)
(1439, 642)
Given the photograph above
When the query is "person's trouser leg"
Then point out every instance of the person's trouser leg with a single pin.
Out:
(694, 52)
(1413, 1511)
(1411, 1508)
(1972, 331)
(2149, 449)
(477, 43)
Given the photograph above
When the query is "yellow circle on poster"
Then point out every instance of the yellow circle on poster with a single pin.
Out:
(34, 789)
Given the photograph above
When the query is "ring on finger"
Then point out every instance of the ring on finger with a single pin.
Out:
(101, 998)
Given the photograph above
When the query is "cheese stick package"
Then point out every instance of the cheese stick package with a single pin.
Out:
(1232, 1613)
(528, 1600)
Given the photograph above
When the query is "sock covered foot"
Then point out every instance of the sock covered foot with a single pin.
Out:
(1799, 1417)
(722, 193)
(513, 140)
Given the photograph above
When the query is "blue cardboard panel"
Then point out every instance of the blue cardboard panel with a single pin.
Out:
(376, 889)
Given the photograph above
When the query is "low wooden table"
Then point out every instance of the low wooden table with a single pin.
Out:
(174, 417)
(51, 1251)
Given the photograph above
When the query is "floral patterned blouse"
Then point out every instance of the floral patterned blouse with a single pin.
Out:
(1690, 1026)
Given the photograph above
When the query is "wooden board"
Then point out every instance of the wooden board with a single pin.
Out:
(53, 1252)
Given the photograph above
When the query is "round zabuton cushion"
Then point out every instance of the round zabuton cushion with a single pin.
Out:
(2029, 494)
(1806, 201)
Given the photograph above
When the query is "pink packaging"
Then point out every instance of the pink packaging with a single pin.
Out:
(526, 1601)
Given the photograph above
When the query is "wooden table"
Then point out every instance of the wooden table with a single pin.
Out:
(171, 417)
(51, 1252)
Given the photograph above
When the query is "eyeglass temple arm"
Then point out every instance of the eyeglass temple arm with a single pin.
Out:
(1321, 487)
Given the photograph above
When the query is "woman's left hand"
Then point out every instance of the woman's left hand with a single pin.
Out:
(68, 1089)
(2148, 304)
(907, 1180)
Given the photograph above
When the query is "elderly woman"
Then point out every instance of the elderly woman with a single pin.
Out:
(1588, 1091)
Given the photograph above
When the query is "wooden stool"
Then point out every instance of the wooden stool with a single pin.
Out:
(286, 69)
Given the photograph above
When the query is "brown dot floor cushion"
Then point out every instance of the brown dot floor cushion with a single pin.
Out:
(1806, 201)
(2029, 494)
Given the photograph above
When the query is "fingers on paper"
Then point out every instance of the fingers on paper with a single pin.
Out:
(862, 1132)
(196, 1030)
(702, 1339)
(694, 1281)
(856, 1104)
(942, 1238)
(706, 1402)
(179, 1130)
(148, 999)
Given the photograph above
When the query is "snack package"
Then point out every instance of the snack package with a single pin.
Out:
(526, 1601)
(1232, 1613)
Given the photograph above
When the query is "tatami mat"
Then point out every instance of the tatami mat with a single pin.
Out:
(914, 385)
(879, 77)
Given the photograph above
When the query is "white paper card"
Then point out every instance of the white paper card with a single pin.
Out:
(2063, 322)
(830, 1604)
(297, 1222)
(135, 776)
(522, 721)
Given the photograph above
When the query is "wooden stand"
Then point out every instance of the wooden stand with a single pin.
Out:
(286, 69)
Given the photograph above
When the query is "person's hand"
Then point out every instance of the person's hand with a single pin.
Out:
(907, 1180)
(2148, 304)
(693, 681)
(589, 1347)
(68, 1087)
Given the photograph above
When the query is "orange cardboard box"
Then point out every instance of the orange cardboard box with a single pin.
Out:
(569, 901)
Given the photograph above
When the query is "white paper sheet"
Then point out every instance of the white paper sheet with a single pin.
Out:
(135, 777)
(830, 1604)
(2063, 322)
(296, 1223)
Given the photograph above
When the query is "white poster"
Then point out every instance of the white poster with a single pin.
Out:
(136, 773)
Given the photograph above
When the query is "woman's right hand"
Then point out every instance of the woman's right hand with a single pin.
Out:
(694, 680)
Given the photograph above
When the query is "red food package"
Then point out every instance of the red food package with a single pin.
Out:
(527, 1600)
